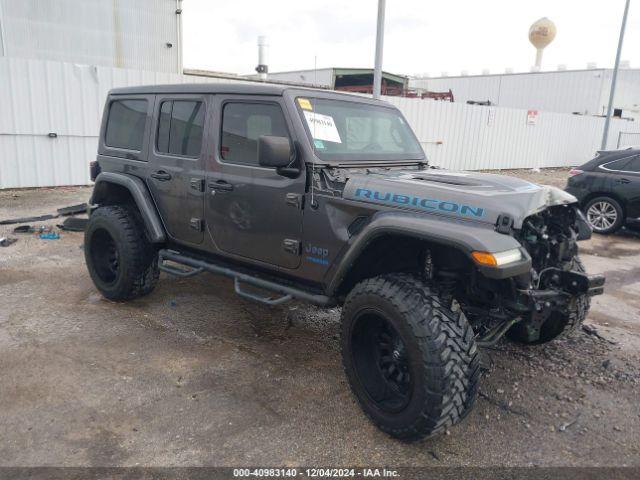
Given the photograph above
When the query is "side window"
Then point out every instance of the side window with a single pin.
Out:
(180, 127)
(242, 126)
(125, 125)
(634, 164)
(616, 165)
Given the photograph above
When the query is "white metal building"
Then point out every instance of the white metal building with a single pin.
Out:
(58, 60)
(346, 79)
(564, 91)
(140, 34)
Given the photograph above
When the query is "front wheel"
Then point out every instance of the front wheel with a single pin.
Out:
(411, 361)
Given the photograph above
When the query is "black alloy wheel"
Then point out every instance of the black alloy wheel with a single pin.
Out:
(381, 361)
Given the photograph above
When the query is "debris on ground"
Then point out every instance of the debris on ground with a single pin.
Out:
(73, 209)
(64, 211)
(40, 218)
(49, 236)
(32, 229)
(591, 330)
(6, 241)
(74, 224)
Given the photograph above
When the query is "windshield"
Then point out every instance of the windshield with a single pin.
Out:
(353, 131)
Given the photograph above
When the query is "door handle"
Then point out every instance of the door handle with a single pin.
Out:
(161, 175)
(623, 180)
(221, 185)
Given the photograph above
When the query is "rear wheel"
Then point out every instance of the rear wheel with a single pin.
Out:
(411, 361)
(122, 263)
(604, 214)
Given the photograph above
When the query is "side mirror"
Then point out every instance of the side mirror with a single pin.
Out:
(274, 151)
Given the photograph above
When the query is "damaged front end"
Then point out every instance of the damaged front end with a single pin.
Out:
(552, 298)
(558, 288)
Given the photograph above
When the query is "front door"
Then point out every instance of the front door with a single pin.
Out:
(175, 175)
(251, 211)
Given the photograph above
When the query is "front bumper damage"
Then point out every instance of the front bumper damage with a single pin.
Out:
(558, 302)
(533, 307)
(564, 286)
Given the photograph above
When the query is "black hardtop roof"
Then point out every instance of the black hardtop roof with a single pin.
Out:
(238, 88)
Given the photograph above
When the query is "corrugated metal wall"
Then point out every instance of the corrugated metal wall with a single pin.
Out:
(583, 91)
(114, 33)
(39, 97)
(476, 137)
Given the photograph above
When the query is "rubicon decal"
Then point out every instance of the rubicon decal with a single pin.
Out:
(421, 202)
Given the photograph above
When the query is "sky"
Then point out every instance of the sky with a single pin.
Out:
(421, 36)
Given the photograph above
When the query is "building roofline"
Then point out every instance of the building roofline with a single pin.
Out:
(248, 78)
(524, 73)
(336, 69)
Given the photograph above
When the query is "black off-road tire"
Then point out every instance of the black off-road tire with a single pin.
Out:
(561, 323)
(441, 356)
(123, 264)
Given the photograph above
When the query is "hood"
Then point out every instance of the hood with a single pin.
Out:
(475, 196)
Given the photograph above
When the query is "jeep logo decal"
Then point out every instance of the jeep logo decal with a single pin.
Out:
(425, 203)
(317, 254)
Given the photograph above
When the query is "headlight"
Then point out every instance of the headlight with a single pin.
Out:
(497, 259)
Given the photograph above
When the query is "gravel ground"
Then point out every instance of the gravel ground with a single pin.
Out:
(194, 375)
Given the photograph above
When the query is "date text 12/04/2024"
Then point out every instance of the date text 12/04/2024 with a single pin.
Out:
(316, 472)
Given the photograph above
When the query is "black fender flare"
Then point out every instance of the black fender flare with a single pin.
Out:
(140, 195)
(457, 234)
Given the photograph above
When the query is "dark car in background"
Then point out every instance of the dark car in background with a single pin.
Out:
(608, 189)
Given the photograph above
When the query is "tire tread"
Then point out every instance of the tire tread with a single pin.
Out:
(139, 255)
(446, 341)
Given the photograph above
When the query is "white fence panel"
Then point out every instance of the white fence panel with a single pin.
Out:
(628, 139)
(472, 137)
(41, 97)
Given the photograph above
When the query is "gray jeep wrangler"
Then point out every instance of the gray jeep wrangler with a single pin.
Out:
(328, 198)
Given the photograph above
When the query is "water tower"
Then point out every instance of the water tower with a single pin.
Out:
(541, 34)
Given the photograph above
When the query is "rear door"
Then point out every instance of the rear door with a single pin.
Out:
(251, 211)
(626, 185)
(176, 175)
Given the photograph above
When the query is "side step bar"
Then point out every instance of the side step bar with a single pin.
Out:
(199, 266)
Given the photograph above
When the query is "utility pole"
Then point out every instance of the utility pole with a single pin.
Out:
(377, 70)
(614, 77)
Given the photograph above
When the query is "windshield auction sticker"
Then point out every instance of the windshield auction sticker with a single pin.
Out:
(322, 127)
(304, 103)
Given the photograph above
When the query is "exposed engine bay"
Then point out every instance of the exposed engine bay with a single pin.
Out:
(551, 237)
(549, 293)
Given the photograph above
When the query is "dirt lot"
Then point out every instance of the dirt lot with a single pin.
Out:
(194, 375)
